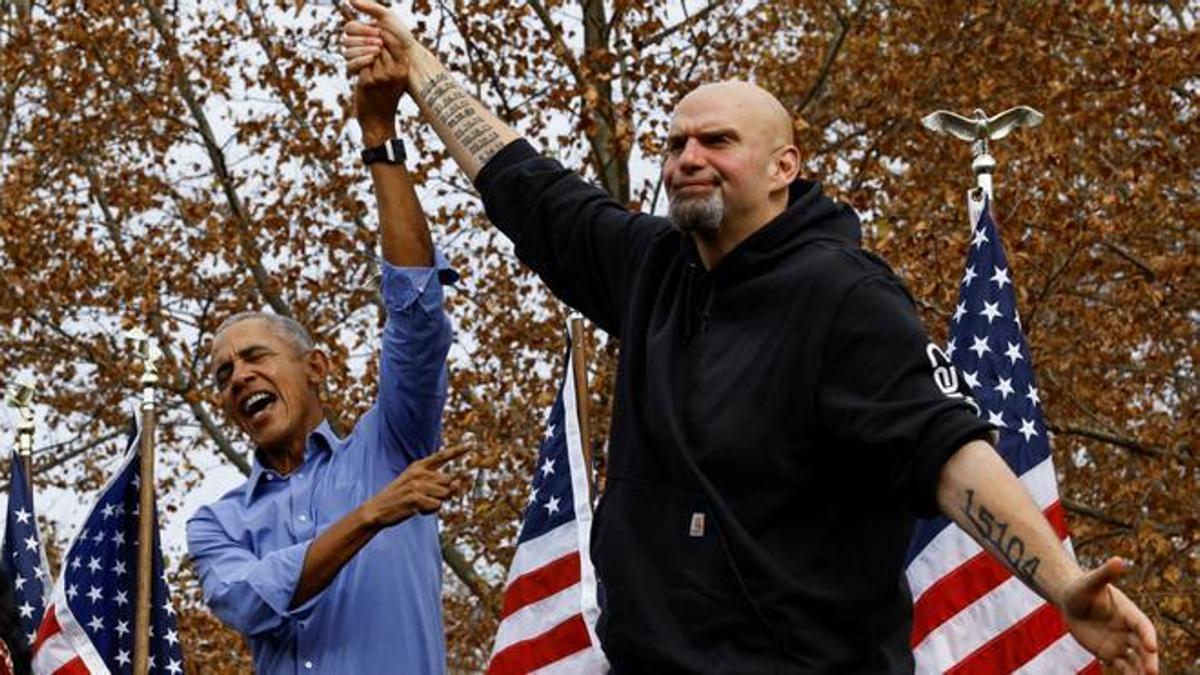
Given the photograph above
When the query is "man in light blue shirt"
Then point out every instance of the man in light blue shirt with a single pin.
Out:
(327, 557)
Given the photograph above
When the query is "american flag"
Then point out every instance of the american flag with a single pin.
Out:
(970, 615)
(88, 627)
(23, 559)
(547, 622)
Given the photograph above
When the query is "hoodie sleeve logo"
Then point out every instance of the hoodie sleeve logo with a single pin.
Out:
(946, 377)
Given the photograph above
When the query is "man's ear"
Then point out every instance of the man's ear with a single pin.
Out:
(316, 366)
(786, 165)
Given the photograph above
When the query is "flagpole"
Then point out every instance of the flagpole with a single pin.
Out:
(20, 396)
(149, 354)
(579, 357)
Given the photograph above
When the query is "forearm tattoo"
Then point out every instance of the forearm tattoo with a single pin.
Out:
(1006, 543)
(446, 101)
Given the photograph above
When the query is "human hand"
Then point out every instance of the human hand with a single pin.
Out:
(1107, 623)
(421, 488)
(378, 90)
(361, 34)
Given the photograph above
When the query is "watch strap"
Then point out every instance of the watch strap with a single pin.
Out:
(391, 152)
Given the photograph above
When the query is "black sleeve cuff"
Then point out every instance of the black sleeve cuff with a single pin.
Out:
(950, 431)
(513, 153)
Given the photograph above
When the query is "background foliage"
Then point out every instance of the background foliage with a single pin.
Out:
(165, 164)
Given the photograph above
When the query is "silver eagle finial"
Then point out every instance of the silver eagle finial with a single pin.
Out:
(978, 130)
(980, 127)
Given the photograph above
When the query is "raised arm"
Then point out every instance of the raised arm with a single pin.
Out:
(980, 493)
(416, 339)
(472, 134)
(403, 230)
(579, 240)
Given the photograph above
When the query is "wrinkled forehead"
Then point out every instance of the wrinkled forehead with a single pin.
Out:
(708, 110)
(698, 113)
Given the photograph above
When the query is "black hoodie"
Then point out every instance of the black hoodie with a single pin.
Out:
(776, 428)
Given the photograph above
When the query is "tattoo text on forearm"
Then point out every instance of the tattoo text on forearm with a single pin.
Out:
(1006, 543)
(445, 100)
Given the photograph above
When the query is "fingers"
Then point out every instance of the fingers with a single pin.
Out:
(352, 53)
(353, 66)
(426, 504)
(440, 458)
(358, 29)
(361, 41)
(1142, 640)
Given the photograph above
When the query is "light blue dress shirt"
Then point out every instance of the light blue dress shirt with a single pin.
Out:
(383, 611)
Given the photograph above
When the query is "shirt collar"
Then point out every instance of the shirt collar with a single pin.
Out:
(320, 440)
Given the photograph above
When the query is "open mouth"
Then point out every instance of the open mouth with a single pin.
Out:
(255, 405)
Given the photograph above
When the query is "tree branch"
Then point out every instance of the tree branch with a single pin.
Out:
(252, 257)
(1132, 444)
(682, 24)
(560, 45)
(466, 573)
(831, 53)
(1094, 513)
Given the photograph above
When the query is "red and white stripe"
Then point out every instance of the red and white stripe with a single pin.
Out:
(970, 615)
(548, 620)
(61, 646)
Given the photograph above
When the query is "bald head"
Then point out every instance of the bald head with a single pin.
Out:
(756, 109)
(729, 161)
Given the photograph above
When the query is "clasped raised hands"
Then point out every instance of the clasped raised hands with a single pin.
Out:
(377, 52)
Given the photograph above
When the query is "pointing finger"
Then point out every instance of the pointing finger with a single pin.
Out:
(440, 458)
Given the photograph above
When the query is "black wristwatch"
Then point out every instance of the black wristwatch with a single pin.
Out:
(391, 152)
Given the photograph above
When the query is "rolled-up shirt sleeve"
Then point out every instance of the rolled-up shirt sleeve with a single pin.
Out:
(250, 594)
(412, 369)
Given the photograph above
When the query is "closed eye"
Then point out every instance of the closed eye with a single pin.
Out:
(252, 354)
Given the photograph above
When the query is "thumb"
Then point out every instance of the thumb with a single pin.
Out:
(1092, 586)
(371, 8)
(386, 19)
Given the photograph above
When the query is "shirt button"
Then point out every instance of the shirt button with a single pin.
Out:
(304, 519)
(308, 664)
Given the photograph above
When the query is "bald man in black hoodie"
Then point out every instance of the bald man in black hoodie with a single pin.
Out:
(777, 426)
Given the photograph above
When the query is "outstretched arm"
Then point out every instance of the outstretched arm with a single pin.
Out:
(980, 493)
(471, 133)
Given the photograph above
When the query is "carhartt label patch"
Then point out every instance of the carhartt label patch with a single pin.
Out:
(697, 527)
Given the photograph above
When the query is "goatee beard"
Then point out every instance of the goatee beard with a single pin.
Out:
(697, 214)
